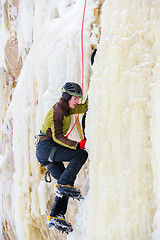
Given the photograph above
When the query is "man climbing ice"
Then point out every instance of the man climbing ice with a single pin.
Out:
(54, 148)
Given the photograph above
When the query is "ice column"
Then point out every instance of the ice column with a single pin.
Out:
(123, 123)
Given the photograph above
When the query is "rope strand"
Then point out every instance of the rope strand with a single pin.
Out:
(82, 51)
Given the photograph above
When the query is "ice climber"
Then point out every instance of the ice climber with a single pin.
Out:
(54, 148)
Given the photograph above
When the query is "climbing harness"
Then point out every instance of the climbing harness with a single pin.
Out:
(82, 51)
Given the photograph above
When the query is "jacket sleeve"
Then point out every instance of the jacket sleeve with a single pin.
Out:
(80, 108)
(57, 131)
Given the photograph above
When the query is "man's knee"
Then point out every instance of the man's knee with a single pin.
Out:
(84, 155)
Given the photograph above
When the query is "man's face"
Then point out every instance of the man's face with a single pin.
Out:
(73, 102)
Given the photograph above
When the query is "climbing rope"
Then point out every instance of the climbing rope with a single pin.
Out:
(82, 47)
(82, 51)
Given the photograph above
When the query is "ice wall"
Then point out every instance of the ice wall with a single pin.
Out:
(123, 124)
(52, 38)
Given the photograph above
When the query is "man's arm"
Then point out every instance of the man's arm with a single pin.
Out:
(57, 131)
(80, 108)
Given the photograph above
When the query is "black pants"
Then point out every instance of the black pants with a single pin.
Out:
(65, 176)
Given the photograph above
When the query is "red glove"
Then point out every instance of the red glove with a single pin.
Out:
(82, 143)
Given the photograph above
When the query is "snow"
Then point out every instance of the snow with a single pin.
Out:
(122, 190)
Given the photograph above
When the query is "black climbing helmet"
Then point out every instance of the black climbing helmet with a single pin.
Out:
(72, 89)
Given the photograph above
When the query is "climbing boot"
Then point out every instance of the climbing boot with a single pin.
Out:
(59, 223)
(68, 191)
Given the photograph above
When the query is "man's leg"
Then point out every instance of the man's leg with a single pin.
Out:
(56, 169)
(42, 153)
(76, 159)
(59, 206)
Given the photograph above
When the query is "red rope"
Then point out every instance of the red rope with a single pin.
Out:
(82, 63)
(82, 46)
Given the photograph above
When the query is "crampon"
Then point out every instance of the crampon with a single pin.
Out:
(60, 224)
(68, 191)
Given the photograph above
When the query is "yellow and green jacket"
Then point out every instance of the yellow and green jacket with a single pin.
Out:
(58, 120)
